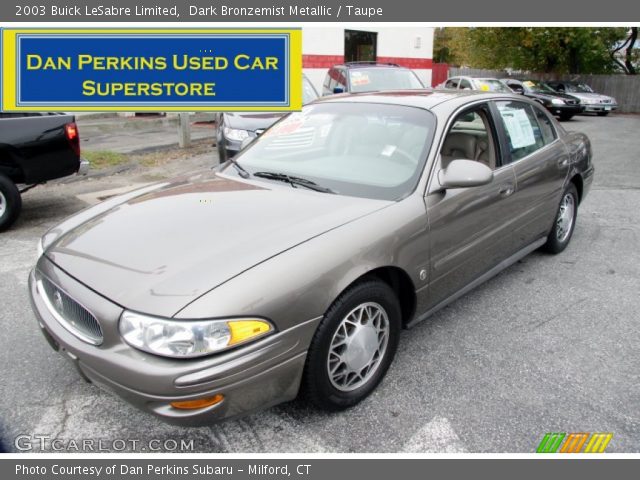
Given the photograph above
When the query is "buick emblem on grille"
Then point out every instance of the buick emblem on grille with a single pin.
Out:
(57, 301)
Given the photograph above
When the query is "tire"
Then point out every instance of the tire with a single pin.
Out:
(566, 116)
(378, 328)
(603, 114)
(10, 203)
(560, 236)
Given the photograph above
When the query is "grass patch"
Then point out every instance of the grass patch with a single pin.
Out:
(104, 158)
(167, 155)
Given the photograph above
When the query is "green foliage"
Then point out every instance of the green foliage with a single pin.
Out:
(541, 49)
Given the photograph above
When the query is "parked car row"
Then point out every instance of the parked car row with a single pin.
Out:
(562, 98)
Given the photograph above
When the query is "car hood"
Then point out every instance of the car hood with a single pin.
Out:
(159, 251)
(251, 121)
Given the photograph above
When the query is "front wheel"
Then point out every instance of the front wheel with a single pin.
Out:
(603, 114)
(353, 346)
(566, 116)
(10, 203)
(565, 221)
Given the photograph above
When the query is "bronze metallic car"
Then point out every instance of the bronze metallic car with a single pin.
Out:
(292, 268)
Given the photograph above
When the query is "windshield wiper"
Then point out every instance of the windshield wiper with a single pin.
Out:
(241, 171)
(294, 181)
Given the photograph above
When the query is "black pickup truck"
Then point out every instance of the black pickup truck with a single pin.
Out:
(34, 148)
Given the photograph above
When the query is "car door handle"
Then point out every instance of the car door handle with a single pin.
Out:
(563, 162)
(506, 190)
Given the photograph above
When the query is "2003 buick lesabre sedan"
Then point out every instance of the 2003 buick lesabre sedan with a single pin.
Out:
(294, 267)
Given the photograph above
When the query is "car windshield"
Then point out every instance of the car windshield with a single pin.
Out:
(383, 78)
(357, 149)
(577, 88)
(537, 87)
(309, 93)
(492, 85)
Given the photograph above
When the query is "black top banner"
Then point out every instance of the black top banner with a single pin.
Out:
(319, 11)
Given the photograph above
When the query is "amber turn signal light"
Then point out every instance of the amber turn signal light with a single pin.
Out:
(198, 403)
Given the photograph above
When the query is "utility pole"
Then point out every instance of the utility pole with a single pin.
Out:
(184, 130)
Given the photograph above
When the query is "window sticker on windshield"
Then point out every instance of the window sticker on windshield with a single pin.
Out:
(388, 150)
(360, 78)
(518, 126)
(484, 87)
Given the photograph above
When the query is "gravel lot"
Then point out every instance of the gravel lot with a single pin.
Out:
(549, 345)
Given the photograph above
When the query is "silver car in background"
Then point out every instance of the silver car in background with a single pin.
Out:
(292, 268)
(593, 102)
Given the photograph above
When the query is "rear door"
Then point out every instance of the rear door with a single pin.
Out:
(540, 162)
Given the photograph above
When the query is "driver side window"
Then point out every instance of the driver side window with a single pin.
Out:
(470, 138)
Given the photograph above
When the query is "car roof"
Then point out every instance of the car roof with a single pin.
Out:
(426, 98)
(369, 65)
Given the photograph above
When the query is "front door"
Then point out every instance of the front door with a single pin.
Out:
(469, 227)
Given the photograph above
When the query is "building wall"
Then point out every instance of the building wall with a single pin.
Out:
(412, 47)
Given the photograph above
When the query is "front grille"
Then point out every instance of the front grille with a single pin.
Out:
(605, 101)
(71, 315)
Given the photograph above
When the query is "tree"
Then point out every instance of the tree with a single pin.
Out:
(543, 49)
(630, 55)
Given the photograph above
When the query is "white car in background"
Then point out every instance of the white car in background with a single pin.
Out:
(472, 83)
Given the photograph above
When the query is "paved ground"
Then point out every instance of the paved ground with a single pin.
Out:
(138, 134)
(550, 345)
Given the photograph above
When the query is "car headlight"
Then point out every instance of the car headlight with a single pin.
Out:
(188, 338)
(557, 101)
(235, 133)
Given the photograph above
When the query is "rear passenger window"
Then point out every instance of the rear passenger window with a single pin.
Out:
(521, 127)
(546, 126)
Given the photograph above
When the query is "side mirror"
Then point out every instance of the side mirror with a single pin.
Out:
(464, 174)
(338, 90)
(246, 142)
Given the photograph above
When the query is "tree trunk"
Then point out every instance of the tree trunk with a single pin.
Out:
(628, 53)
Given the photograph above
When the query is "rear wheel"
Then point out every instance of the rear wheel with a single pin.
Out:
(565, 221)
(10, 202)
(353, 346)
